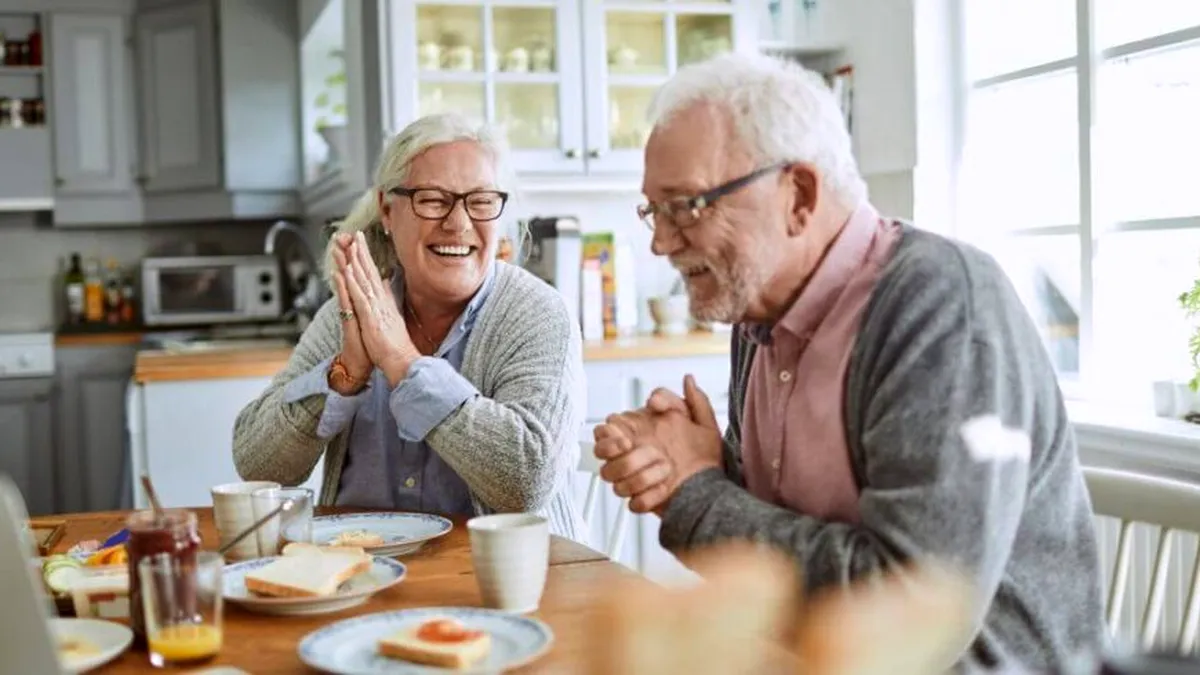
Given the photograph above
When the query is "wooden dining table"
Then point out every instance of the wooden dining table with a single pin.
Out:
(440, 574)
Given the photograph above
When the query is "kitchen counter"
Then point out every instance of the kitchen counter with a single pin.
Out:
(246, 359)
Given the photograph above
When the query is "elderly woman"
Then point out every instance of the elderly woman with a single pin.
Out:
(438, 378)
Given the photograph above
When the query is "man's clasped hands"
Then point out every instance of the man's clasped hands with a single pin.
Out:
(650, 452)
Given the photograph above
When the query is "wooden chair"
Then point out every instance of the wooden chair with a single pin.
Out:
(614, 538)
(1173, 506)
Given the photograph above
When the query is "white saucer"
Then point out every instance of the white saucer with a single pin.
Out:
(110, 639)
(384, 573)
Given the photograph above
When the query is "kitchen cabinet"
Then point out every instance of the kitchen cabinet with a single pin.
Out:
(90, 112)
(27, 177)
(568, 80)
(182, 436)
(26, 443)
(91, 441)
(218, 86)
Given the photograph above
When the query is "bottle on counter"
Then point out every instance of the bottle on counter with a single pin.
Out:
(112, 293)
(93, 293)
(128, 309)
(73, 283)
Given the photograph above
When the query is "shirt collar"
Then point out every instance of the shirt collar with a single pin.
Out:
(821, 291)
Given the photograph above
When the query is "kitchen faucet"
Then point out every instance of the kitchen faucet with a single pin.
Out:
(307, 288)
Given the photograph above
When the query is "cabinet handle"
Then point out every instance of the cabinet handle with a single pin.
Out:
(572, 153)
(594, 154)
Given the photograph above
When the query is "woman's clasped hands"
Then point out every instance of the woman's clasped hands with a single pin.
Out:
(374, 333)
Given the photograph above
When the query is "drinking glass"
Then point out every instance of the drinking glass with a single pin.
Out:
(295, 524)
(182, 607)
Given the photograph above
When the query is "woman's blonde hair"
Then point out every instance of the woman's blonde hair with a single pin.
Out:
(394, 164)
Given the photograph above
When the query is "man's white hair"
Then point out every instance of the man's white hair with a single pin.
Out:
(781, 112)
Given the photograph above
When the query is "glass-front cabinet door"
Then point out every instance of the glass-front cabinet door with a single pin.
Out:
(514, 63)
(633, 46)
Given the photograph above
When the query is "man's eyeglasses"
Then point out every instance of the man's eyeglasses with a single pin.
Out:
(436, 204)
(682, 212)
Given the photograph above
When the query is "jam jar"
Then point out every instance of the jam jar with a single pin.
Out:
(172, 532)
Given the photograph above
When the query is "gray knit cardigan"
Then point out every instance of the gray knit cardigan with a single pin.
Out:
(516, 445)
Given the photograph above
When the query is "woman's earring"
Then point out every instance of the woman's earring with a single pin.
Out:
(387, 234)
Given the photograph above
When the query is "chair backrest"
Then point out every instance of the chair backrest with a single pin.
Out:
(615, 537)
(26, 640)
(1174, 506)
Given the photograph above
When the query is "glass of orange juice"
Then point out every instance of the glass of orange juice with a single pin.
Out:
(181, 598)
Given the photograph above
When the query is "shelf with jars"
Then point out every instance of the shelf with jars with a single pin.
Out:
(26, 171)
(569, 81)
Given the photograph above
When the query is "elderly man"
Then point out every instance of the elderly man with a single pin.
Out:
(890, 398)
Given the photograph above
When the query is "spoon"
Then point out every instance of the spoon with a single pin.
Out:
(284, 506)
(152, 496)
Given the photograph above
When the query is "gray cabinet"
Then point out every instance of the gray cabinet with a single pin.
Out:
(92, 442)
(218, 89)
(91, 117)
(177, 87)
(26, 443)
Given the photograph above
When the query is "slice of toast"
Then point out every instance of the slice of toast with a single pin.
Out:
(306, 574)
(468, 648)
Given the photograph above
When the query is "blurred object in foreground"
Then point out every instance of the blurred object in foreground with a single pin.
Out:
(747, 617)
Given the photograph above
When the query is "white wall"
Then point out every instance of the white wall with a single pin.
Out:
(904, 80)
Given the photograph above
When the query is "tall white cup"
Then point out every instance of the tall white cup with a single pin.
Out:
(233, 511)
(511, 555)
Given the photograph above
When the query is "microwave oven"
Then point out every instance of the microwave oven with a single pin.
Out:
(179, 291)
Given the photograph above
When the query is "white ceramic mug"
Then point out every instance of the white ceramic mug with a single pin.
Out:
(511, 555)
(233, 511)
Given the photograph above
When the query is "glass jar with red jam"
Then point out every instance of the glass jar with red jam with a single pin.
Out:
(172, 532)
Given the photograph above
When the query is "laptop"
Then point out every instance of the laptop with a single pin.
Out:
(26, 640)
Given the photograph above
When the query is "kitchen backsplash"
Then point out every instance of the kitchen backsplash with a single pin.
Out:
(34, 256)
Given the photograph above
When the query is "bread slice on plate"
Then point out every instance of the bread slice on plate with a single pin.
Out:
(307, 574)
(444, 643)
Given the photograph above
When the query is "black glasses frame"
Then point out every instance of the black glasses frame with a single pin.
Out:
(454, 197)
(672, 208)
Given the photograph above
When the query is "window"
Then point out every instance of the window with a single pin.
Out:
(1081, 128)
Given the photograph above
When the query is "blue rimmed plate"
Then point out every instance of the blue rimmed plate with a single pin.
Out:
(384, 573)
(350, 647)
(402, 533)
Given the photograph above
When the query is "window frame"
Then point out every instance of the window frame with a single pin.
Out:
(1087, 62)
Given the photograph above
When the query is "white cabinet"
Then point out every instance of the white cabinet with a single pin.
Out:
(568, 80)
(91, 115)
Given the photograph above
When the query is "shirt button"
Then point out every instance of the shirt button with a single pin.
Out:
(775, 464)
(785, 376)
(410, 481)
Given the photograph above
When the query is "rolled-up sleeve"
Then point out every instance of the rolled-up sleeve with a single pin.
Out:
(339, 410)
(426, 396)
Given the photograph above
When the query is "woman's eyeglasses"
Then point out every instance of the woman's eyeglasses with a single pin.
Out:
(437, 204)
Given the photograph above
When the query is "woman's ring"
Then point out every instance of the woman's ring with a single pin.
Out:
(346, 314)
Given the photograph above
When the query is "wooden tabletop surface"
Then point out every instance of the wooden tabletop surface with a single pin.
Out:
(440, 574)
